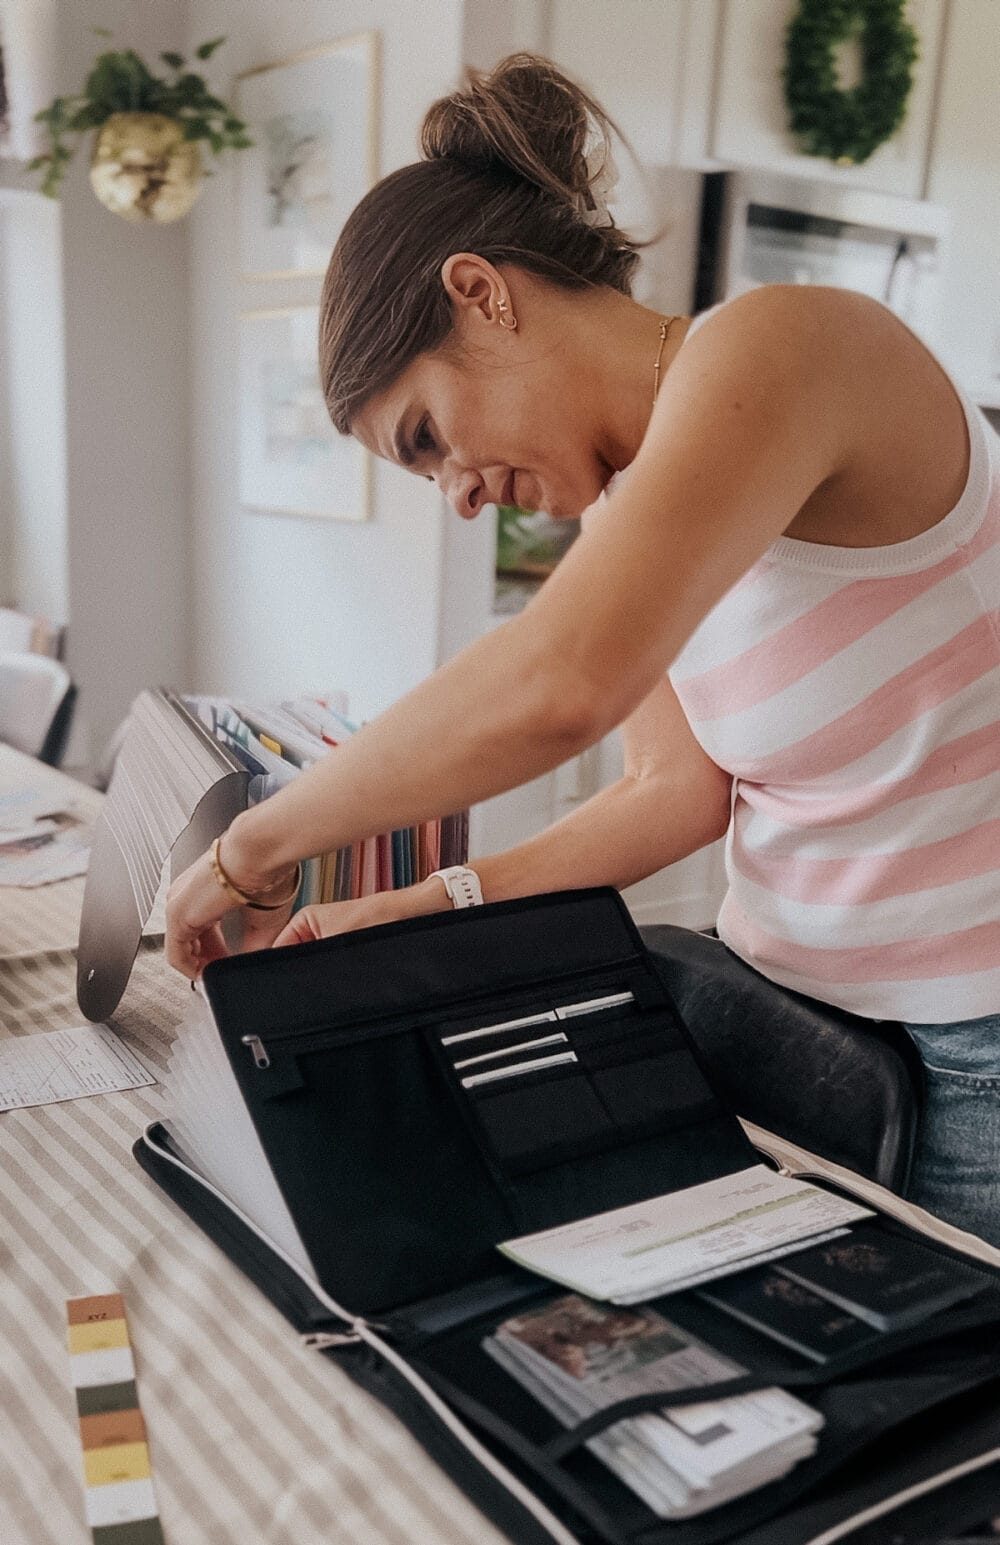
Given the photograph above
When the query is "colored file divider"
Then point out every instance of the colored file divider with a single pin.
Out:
(120, 1501)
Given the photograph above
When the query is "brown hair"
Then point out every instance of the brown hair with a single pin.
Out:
(505, 174)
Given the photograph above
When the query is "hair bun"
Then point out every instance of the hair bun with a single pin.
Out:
(525, 119)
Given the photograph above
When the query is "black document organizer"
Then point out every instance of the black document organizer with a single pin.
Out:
(401, 1185)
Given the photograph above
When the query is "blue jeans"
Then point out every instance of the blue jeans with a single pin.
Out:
(957, 1170)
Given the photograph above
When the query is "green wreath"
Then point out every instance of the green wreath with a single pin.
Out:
(847, 126)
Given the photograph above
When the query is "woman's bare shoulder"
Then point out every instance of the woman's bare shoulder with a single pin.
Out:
(850, 370)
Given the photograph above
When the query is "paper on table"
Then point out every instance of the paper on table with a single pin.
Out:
(22, 809)
(689, 1236)
(42, 857)
(65, 1064)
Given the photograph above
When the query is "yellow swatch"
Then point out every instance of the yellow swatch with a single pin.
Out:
(272, 745)
(98, 1335)
(123, 1462)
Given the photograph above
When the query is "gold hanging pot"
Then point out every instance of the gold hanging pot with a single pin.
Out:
(144, 169)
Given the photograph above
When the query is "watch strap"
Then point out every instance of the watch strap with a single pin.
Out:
(462, 885)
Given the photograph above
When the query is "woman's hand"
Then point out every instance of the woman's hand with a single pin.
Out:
(320, 922)
(197, 903)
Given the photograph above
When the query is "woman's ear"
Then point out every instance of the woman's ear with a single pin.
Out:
(474, 287)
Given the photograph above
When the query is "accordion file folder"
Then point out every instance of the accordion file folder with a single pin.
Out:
(174, 789)
(188, 766)
(373, 1183)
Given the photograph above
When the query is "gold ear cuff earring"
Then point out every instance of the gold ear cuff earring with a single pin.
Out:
(507, 323)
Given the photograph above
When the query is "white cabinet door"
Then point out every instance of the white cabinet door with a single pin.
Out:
(751, 116)
(650, 63)
(964, 176)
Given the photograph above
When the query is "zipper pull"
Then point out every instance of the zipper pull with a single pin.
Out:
(259, 1050)
(317, 1340)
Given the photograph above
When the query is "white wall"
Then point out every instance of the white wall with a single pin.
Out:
(281, 603)
(126, 410)
(33, 550)
(6, 490)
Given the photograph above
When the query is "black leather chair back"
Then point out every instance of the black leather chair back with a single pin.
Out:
(846, 1088)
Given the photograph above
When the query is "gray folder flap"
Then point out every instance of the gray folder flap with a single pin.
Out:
(174, 787)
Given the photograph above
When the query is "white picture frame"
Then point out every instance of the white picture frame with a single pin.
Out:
(312, 117)
(292, 460)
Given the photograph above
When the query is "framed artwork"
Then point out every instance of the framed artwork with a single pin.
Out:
(292, 460)
(312, 118)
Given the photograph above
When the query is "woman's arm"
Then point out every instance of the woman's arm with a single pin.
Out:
(755, 413)
(671, 801)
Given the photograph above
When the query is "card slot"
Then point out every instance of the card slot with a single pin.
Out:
(541, 1118)
(523, 1002)
(625, 1027)
(498, 1045)
(514, 1050)
(637, 1047)
(655, 1093)
(519, 1068)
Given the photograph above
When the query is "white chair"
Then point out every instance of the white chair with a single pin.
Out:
(36, 704)
(25, 634)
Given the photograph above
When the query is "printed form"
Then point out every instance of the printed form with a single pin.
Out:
(674, 1242)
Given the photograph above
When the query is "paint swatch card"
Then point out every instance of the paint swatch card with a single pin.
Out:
(120, 1501)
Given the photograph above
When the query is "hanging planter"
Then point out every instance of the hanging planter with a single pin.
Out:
(144, 169)
(146, 162)
(847, 124)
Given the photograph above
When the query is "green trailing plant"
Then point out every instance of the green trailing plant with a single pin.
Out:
(121, 82)
(848, 124)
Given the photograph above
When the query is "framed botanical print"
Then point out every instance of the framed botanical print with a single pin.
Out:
(292, 460)
(312, 118)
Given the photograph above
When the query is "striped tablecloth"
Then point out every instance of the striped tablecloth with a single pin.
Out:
(253, 1440)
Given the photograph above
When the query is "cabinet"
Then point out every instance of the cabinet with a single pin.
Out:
(650, 63)
(749, 127)
(964, 175)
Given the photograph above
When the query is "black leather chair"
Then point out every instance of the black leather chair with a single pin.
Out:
(848, 1089)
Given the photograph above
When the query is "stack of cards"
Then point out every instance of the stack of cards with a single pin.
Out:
(577, 1357)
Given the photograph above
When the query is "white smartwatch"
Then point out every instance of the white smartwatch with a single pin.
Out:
(462, 885)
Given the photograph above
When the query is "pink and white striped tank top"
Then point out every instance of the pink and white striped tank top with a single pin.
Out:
(854, 694)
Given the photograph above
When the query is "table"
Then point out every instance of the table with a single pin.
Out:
(252, 1437)
(254, 1440)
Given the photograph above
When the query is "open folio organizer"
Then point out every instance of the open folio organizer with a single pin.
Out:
(334, 1136)
(186, 767)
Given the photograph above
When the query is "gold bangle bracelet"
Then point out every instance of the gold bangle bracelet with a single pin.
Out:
(240, 897)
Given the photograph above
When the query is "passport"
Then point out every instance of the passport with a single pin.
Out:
(786, 1311)
(889, 1282)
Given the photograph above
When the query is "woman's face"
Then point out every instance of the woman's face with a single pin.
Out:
(493, 417)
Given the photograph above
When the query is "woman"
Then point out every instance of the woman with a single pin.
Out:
(789, 600)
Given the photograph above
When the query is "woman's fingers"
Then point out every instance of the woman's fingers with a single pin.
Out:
(195, 904)
(305, 925)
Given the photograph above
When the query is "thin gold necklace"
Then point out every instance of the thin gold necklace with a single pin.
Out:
(665, 327)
